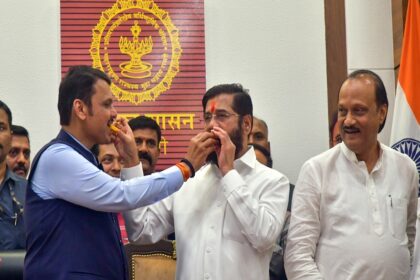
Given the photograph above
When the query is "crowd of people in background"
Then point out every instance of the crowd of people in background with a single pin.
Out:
(351, 214)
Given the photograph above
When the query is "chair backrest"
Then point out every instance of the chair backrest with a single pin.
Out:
(152, 261)
(11, 264)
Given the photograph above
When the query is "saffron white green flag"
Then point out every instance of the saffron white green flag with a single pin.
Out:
(405, 133)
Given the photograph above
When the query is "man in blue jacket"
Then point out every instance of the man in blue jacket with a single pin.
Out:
(72, 231)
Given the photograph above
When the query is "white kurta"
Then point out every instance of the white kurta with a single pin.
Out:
(225, 227)
(349, 224)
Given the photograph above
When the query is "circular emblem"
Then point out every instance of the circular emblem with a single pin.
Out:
(410, 147)
(137, 45)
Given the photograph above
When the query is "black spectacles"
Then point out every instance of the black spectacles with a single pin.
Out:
(218, 117)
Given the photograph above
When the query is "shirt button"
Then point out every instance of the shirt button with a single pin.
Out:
(211, 227)
(207, 276)
(208, 250)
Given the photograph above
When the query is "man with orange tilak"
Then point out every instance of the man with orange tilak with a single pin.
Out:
(354, 206)
(72, 232)
(226, 219)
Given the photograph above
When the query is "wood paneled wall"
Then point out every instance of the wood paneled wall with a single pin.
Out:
(335, 36)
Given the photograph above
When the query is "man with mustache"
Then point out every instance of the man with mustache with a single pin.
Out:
(72, 230)
(147, 135)
(12, 191)
(227, 218)
(19, 157)
(354, 206)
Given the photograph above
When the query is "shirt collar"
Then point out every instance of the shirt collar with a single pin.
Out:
(75, 139)
(83, 146)
(351, 156)
(247, 159)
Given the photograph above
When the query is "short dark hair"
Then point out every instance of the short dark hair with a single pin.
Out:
(20, 131)
(6, 109)
(77, 84)
(380, 91)
(242, 103)
(142, 122)
(265, 152)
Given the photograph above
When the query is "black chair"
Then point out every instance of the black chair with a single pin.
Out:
(11, 264)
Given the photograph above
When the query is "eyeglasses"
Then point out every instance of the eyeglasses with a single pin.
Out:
(218, 117)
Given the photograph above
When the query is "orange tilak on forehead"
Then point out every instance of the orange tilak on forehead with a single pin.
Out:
(212, 106)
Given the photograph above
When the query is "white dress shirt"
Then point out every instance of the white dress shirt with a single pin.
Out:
(349, 224)
(64, 174)
(225, 227)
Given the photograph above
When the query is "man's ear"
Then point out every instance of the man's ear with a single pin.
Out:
(383, 111)
(80, 110)
(247, 124)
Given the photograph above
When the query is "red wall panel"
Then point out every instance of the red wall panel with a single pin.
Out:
(155, 53)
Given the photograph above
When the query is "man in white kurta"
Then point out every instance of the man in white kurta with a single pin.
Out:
(354, 206)
(226, 219)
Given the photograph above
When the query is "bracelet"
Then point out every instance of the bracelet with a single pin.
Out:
(185, 172)
(187, 162)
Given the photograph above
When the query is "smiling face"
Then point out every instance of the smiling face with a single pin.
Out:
(110, 160)
(359, 116)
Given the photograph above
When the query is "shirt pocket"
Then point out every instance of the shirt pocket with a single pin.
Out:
(397, 216)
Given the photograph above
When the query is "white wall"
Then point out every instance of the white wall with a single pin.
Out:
(274, 48)
(30, 65)
(370, 46)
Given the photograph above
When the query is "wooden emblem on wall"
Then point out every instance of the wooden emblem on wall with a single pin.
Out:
(154, 52)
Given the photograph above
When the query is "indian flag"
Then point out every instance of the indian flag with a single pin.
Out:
(405, 133)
